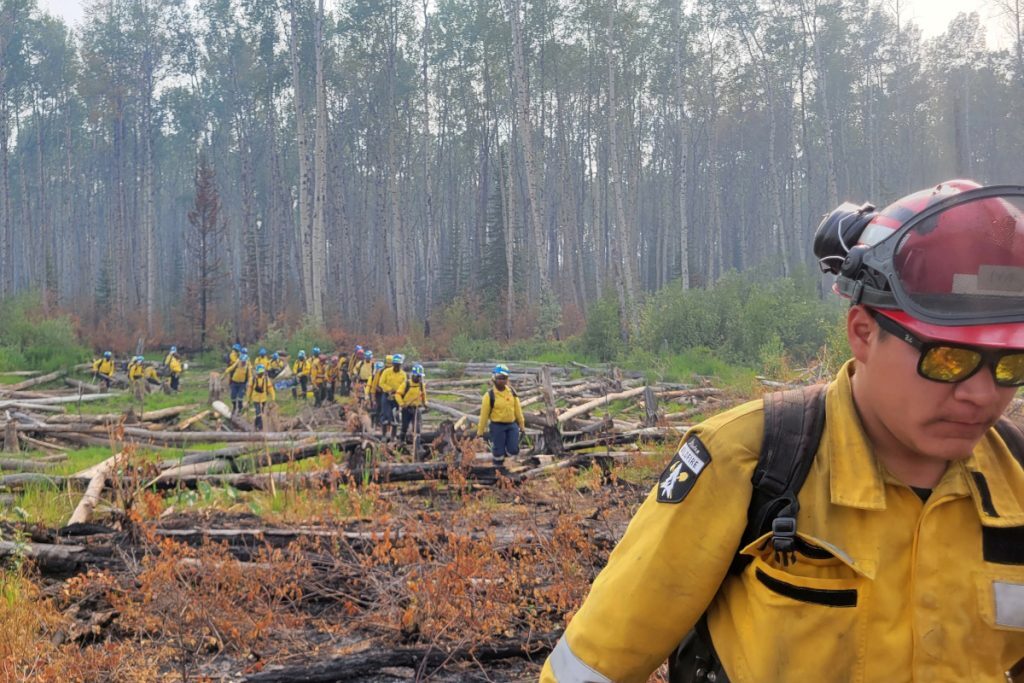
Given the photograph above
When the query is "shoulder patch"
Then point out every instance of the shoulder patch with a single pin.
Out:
(681, 474)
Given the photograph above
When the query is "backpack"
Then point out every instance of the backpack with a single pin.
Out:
(793, 424)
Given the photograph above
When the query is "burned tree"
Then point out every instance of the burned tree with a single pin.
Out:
(204, 247)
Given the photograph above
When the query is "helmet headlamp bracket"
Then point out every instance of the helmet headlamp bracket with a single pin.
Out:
(838, 232)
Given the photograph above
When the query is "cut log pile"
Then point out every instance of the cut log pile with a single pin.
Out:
(568, 418)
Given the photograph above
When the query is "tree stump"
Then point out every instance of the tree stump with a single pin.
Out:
(11, 444)
(215, 387)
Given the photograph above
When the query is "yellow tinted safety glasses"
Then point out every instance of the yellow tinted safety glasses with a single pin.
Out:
(947, 362)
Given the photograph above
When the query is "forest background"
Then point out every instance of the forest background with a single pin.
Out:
(634, 177)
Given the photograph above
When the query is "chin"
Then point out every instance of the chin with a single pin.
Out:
(953, 444)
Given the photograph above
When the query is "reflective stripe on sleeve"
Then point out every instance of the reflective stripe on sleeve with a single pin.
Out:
(568, 668)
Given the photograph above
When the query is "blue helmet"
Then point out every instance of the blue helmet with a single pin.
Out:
(417, 370)
(316, 350)
(302, 354)
(244, 358)
(397, 359)
(368, 354)
(263, 351)
(276, 355)
(139, 359)
(379, 365)
(245, 350)
(174, 349)
(237, 347)
(501, 370)
(106, 354)
(359, 347)
(260, 369)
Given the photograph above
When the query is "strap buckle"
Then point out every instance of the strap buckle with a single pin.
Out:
(784, 539)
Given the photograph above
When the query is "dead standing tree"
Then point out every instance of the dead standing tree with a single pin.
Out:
(204, 246)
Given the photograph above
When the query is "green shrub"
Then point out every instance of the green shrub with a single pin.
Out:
(30, 342)
(601, 338)
(467, 349)
(305, 337)
(741, 316)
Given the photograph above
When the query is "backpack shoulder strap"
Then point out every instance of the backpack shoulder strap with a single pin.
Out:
(793, 423)
(1012, 437)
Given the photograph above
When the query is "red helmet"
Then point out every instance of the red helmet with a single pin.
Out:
(946, 262)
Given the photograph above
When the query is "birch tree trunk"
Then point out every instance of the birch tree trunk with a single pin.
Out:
(680, 186)
(621, 244)
(526, 140)
(304, 231)
(319, 228)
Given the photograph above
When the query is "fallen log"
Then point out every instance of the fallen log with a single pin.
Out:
(653, 433)
(188, 422)
(45, 445)
(24, 480)
(22, 465)
(362, 665)
(388, 473)
(58, 400)
(598, 402)
(42, 379)
(82, 386)
(83, 511)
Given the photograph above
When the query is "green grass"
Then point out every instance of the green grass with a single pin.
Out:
(81, 459)
(41, 504)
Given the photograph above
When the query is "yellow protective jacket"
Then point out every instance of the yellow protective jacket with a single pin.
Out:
(389, 381)
(150, 374)
(233, 356)
(892, 589)
(365, 371)
(371, 386)
(103, 366)
(173, 363)
(277, 365)
(317, 372)
(506, 408)
(135, 370)
(412, 394)
(262, 360)
(342, 365)
(301, 367)
(239, 371)
(261, 389)
(331, 371)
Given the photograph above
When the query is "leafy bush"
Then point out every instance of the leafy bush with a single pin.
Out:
(467, 349)
(30, 342)
(743, 316)
(306, 336)
(601, 337)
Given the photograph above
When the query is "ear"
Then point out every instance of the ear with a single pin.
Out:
(861, 331)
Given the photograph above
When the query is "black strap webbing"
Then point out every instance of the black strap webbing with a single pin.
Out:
(793, 423)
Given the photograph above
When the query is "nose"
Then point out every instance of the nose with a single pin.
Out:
(980, 389)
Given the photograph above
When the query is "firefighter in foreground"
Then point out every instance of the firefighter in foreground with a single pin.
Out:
(901, 556)
(260, 392)
(501, 415)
